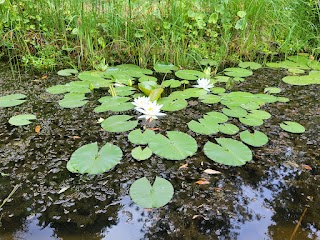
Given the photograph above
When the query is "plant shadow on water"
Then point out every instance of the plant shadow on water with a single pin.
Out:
(263, 199)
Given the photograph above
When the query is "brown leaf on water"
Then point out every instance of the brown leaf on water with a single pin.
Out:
(44, 77)
(184, 166)
(37, 129)
(211, 171)
(307, 167)
(202, 181)
(75, 137)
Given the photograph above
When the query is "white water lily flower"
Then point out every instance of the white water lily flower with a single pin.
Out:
(151, 111)
(204, 83)
(141, 102)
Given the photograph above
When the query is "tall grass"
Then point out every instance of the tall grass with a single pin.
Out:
(81, 33)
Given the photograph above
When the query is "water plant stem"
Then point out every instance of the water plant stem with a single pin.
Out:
(10, 195)
(298, 224)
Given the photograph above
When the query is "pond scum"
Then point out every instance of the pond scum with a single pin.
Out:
(131, 87)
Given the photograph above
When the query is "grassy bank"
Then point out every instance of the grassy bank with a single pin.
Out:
(53, 34)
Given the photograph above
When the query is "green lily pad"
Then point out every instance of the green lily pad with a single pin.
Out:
(252, 121)
(204, 126)
(124, 91)
(171, 104)
(78, 87)
(58, 89)
(296, 70)
(312, 78)
(190, 74)
(222, 79)
(237, 72)
(228, 151)
(115, 104)
(272, 90)
(155, 94)
(228, 128)
(177, 146)
(210, 98)
(236, 112)
(217, 90)
(172, 83)
(283, 99)
(292, 127)
(137, 137)
(22, 119)
(255, 139)
(165, 68)
(155, 196)
(251, 65)
(91, 76)
(141, 154)
(119, 123)
(12, 100)
(67, 72)
(73, 100)
(87, 159)
(216, 117)
(147, 79)
(259, 114)
(147, 86)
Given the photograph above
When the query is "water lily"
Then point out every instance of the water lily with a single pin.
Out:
(141, 102)
(204, 83)
(151, 111)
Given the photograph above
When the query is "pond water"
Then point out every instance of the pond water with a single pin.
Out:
(263, 199)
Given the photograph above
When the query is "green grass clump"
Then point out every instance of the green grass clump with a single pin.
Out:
(83, 33)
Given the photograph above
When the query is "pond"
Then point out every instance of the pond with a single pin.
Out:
(263, 199)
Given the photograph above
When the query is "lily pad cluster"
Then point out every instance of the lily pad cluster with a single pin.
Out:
(125, 83)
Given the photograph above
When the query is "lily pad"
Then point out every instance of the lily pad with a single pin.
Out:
(115, 104)
(151, 196)
(255, 139)
(217, 90)
(228, 128)
(172, 83)
(272, 90)
(236, 112)
(171, 104)
(165, 68)
(12, 100)
(124, 91)
(141, 154)
(58, 89)
(252, 121)
(216, 117)
(137, 137)
(251, 65)
(312, 78)
(237, 72)
(228, 151)
(204, 126)
(119, 123)
(292, 127)
(210, 98)
(177, 146)
(73, 100)
(259, 114)
(22, 119)
(67, 72)
(87, 159)
(190, 74)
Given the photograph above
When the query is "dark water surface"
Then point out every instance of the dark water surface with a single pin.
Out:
(263, 199)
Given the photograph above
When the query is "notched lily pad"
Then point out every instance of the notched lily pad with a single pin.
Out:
(12, 100)
(73, 100)
(22, 119)
(228, 151)
(137, 137)
(190, 74)
(292, 127)
(237, 72)
(119, 123)
(67, 72)
(255, 139)
(151, 196)
(87, 159)
(141, 154)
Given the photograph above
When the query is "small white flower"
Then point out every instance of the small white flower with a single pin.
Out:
(141, 102)
(204, 83)
(100, 120)
(151, 111)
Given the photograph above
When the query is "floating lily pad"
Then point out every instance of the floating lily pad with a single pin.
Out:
(210, 98)
(251, 65)
(73, 100)
(87, 159)
(216, 117)
(67, 72)
(236, 112)
(223, 79)
(172, 83)
(259, 114)
(296, 70)
(292, 127)
(190, 74)
(255, 139)
(165, 68)
(312, 78)
(12, 100)
(283, 99)
(177, 146)
(151, 196)
(171, 104)
(228, 151)
(119, 123)
(115, 104)
(237, 72)
(124, 91)
(217, 90)
(147, 78)
(141, 154)
(147, 86)
(204, 126)
(272, 90)
(22, 119)
(137, 137)
(58, 89)
(78, 87)
(228, 128)
(252, 121)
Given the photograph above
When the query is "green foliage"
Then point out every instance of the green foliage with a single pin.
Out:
(255, 139)
(119, 123)
(292, 127)
(89, 159)
(12, 100)
(23, 119)
(141, 154)
(151, 196)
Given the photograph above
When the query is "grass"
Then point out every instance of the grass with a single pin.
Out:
(55, 34)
